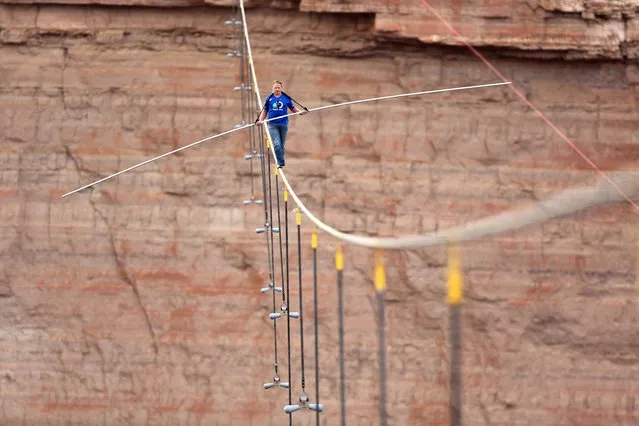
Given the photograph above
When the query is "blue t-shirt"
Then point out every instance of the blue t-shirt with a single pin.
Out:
(276, 107)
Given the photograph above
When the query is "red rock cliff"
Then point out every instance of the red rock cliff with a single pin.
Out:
(138, 303)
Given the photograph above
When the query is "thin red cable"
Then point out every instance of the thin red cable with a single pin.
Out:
(527, 102)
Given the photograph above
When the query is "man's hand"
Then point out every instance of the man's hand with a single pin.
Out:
(303, 111)
(259, 122)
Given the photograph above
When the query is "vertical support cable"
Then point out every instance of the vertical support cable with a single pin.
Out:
(251, 129)
(288, 318)
(270, 215)
(244, 64)
(269, 231)
(279, 226)
(637, 266)
(304, 401)
(268, 247)
(339, 265)
(245, 101)
(242, 78)
(455, 294)
(316, 323)
(298, 222)
(262, 142)
(251, 111)
(275, 362)
(380, 288)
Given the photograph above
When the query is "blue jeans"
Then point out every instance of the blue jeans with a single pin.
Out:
(278, 137)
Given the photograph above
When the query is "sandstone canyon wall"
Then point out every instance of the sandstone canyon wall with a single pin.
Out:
(138, 303)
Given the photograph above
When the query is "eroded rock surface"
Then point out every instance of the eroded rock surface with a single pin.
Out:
(138, 302)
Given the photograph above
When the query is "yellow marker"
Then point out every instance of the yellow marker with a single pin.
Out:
(339, 258)
(298, 217)
(285, 195)
(455, 282)
(276, 169)
(380, 275)
(268, 144)
(314, 238)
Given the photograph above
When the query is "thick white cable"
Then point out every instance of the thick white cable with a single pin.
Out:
(561, 204)
(566, 202)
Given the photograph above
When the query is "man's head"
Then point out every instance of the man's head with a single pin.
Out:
(277, 87)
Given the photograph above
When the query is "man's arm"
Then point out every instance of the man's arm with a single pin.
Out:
(298, 111)
(262, 117)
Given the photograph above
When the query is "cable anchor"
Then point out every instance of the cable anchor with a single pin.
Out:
(270, 287)
(283, 313)
(276, 383)
(303, 404)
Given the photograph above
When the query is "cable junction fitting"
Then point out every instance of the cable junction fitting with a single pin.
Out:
(242, 87)
(252, 200)
(270, 287)
(252, 155)
(276, 383)
(284, 313)
(265, 227)
(234, 53)
(304, 404)
(232, 22)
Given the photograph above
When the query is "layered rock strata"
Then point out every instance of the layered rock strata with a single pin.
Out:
(138, 302)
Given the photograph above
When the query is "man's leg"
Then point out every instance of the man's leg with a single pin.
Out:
(274, 131)
(283, 132)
